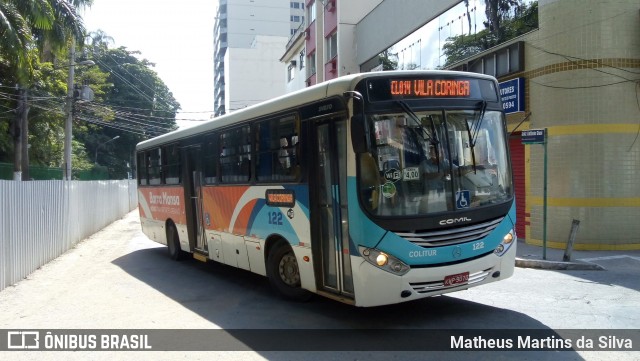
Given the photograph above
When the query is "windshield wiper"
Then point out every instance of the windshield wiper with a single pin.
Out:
(477, 123)
(473, 132)
(416, 120)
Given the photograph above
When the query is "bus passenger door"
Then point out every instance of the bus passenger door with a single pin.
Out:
(194, 196)
(328, 184)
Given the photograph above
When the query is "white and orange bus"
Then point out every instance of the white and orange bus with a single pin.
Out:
(370, 189)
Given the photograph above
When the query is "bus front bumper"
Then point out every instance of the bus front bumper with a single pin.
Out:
(375, 287)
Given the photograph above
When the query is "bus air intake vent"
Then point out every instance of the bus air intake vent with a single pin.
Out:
(426, 287)
(451, 236)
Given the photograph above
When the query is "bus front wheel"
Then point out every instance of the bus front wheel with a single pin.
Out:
(284, 274)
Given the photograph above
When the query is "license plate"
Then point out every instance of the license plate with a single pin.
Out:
(456, 279)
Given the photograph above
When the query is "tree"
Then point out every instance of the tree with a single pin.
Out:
(28, 27)
(130, 100)
(513, 23)
(134, 105)
(388, 59)
(497, 11)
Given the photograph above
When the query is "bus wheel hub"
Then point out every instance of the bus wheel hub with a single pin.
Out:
(288, 270)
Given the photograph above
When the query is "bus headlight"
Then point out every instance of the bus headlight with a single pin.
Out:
(384, 261)
(506, 243)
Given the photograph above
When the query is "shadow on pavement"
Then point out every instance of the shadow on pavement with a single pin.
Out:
(239, 300)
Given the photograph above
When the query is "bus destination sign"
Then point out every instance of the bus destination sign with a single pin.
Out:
(280, 198)
(430, 88)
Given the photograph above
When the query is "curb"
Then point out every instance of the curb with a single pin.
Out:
(557, 265)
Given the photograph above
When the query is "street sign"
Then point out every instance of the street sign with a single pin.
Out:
(512, 95)
(534, 136)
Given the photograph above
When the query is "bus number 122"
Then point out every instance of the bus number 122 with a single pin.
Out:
(275, 218)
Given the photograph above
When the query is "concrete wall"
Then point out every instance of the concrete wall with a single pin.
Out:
(40, 220)
(254, 74)
(391, 21)
(582, 67)
(246, 19)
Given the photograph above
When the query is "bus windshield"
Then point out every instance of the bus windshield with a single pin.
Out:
(429, 162)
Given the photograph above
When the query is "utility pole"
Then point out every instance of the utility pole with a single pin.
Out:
(20, 133)
(25, 134)
(16, 132)
(68, 126)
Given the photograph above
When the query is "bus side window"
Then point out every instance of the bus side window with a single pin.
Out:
(210, 158)
(276, 146)
(235, 155)
(171, 164)
(142, 168)
(154, 165)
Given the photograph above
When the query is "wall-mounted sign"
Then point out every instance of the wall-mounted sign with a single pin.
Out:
(533, 136)
(512, 95)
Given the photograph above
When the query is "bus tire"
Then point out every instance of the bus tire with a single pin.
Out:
(284, 274)
(173, 243)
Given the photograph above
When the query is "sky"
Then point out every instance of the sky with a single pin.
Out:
(175, 35)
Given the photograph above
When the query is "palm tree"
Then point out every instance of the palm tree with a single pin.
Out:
(16, 40)
(100, 39)
(29, 29)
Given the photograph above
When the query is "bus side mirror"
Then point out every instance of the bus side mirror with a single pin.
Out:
(359, 134)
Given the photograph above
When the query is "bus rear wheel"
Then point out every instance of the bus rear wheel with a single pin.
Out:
(173, 243)
(284, 274)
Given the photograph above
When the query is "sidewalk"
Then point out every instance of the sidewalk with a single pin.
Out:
(530, 256)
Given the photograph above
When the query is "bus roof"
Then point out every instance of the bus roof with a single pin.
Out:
(293, 100)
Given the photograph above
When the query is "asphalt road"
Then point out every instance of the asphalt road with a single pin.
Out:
(119, 279)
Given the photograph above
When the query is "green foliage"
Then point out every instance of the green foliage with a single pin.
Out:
(130, 100)
(513, 21)
(389, 60)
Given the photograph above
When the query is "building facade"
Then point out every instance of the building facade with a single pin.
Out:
(582, 73)
(250, 29)
(324, 46)
(579, 72)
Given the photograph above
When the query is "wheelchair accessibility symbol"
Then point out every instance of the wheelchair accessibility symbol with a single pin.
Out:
(463, 198)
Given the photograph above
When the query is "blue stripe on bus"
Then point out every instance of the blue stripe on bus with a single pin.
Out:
(413, 254)
(362, 230)
(265, 221)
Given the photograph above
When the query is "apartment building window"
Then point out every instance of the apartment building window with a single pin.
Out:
(311, 69)
(296, 5)
(295, 18)
(332, 46)
(291, 71)
(302, 59)
(312, 12)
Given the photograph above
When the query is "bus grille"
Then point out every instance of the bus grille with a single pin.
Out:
(425, 287)
(451, 236)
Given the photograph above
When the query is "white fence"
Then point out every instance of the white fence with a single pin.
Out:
(40, 220)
